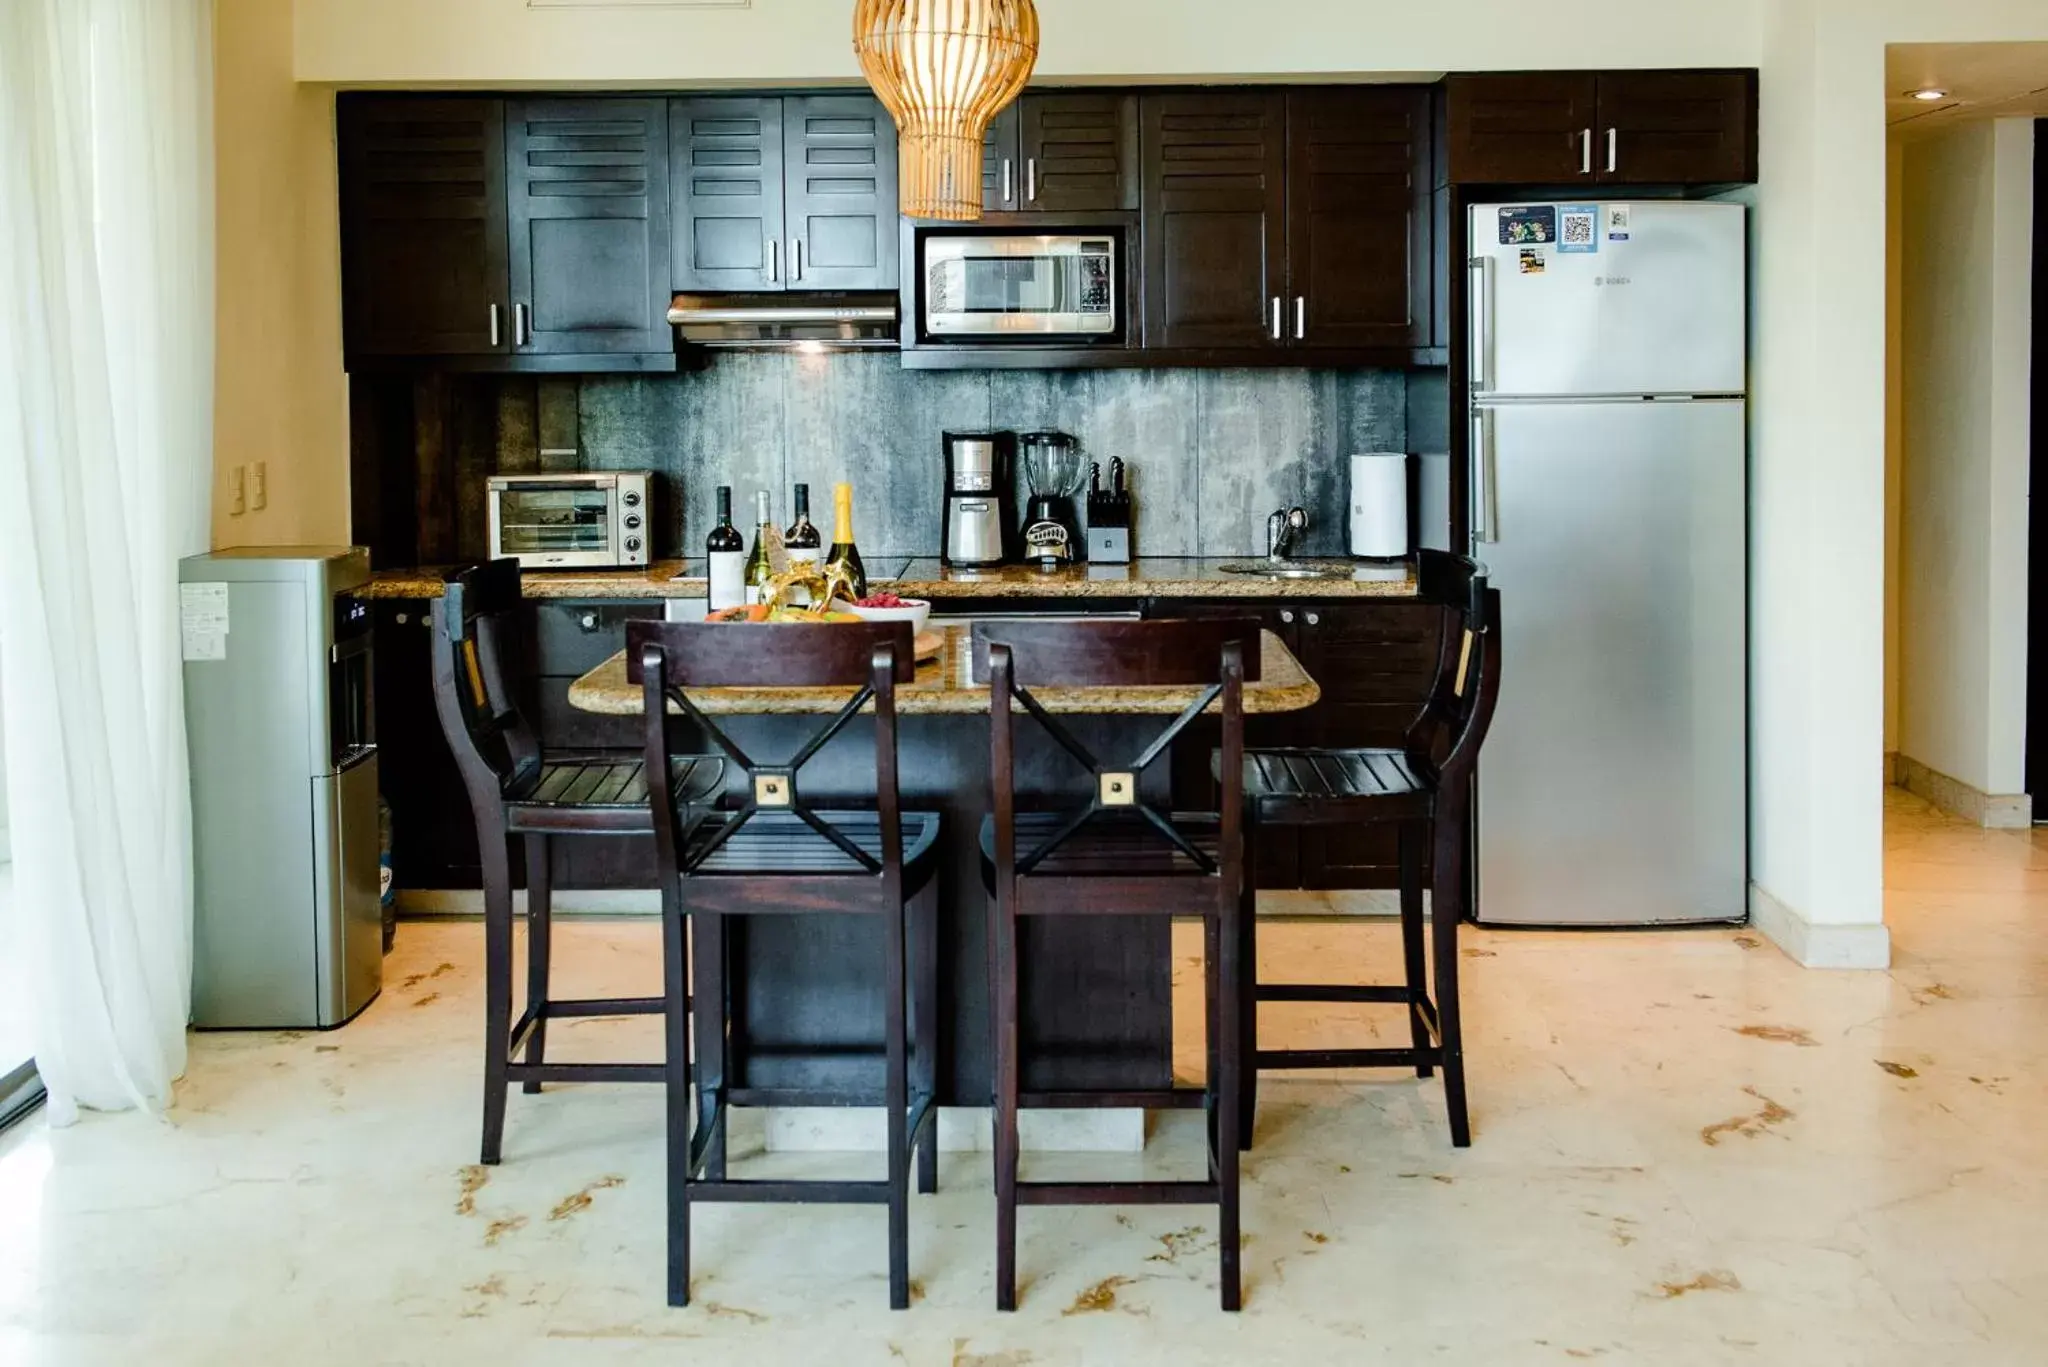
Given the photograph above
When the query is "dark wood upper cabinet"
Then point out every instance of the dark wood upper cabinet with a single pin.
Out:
(1214, 172)
(1677, 127)
(1079, 151)
(1359, 221)
(1608, 128)
(1002, 154)
(725, 155)
(424, 247)
(1522, 127)
(839, 170)
(588, 205)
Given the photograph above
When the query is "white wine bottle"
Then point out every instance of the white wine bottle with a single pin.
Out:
(761, 560)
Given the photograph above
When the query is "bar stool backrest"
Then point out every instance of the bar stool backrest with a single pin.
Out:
(1445, 737)
(871, 658)
(1217, 655)
(476, 620)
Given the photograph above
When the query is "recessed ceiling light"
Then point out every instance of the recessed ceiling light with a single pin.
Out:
(1928, 93)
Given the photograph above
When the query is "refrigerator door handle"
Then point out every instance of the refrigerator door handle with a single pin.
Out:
(1485, 511)
(1481, 361)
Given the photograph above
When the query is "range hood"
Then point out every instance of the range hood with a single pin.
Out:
(776, 322)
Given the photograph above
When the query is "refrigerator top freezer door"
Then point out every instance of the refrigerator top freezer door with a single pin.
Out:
(1615, 298)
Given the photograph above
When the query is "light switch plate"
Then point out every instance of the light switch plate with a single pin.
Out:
(238, 500)
(259, 485)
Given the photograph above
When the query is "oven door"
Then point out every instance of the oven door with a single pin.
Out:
(1029, 288)
(571, 524)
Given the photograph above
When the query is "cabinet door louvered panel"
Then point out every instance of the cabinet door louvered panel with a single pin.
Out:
(1677, 127)
(589, 215)
(1002, 162)
(1080, 152)
(1533, 127)
(423, 215)
(1359, 217)
(1214, 172)
(727, 158)
(840, 178)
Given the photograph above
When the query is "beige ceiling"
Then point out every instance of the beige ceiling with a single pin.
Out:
(1983, 81)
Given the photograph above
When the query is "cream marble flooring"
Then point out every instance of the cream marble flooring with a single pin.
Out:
(1688, 1151)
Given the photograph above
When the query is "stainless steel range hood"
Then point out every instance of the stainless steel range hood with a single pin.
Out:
(776, 322)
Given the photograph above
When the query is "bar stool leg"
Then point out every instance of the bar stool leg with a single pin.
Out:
(1214, 1024)
(924, 920)
(712, 960)
(539, 944)
(1005, 1011)
(1228, 1085)
(896, 1096)
(497, 877)
(1447, 905)
(1413, 953)
(1248, 1014)
(676, 1069)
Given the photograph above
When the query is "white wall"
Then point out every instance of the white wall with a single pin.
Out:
(1966, 329)
(507, 41)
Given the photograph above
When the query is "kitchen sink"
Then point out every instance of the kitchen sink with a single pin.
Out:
(1286, 569)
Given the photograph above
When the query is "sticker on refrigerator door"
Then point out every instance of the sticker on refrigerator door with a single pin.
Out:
(1617, 223)
(1522, 224)
(1575, 228)
(203, 621)
(1533, 261)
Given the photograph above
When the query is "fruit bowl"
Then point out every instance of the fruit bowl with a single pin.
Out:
(887, 607)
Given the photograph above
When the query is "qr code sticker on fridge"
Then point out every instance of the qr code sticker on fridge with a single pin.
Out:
(1577, 228)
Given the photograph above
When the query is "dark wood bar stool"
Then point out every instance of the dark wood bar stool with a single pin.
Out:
(1426, 788)
(1117, 854)
(517, 790)
(775, 854)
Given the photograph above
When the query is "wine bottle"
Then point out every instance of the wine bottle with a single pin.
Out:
(726, 549)
(761, 559)
(844, 553)
(802, 540)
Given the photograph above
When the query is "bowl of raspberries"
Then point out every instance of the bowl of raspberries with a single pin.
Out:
(882, 606)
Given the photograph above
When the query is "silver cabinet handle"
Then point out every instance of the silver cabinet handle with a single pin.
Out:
(1276, 317)
(1287, 616)
(1314, 619)
(1300, 317)
(1613, 148)
(1485, 521)
(774, 260)
(1009, 181)
(796, 257)
(522, 325)
(1480, 365)
(494, 325)
(1031, 180)
(1585, 151)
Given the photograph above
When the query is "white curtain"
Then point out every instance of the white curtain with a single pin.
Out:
(106, 418)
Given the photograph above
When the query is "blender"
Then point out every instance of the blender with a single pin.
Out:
(1054, 471)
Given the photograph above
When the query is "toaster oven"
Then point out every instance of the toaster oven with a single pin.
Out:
(572, 521)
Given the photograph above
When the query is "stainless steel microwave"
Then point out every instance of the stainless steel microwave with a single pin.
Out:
(572, 522)
(1022, 287)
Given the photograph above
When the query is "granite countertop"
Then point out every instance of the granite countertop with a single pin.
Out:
(945, 687)
(1149, 577)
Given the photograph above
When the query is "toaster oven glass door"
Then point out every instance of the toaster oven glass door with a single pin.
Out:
(544, 520)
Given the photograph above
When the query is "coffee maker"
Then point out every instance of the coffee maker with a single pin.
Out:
(981, 483)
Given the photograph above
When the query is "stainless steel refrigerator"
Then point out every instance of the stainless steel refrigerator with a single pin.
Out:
(287, 923)
(1609, 453)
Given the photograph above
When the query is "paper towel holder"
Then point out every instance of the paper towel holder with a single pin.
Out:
(1379, 506)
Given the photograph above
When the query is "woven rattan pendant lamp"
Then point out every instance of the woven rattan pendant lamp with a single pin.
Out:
(945, 68)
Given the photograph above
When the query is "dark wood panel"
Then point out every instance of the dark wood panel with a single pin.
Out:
(1359, 222)
(424, 248)
(839, 177)
(588, 208)
(1530, 127)
(1677, 127)
(1214, 201)
(1002, 160)
(1080, 151)
(726, 155)
(571, 638)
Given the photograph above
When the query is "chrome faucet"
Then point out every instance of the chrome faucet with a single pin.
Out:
(1283, 527)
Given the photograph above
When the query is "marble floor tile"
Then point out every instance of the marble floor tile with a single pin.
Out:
(1688, 1150)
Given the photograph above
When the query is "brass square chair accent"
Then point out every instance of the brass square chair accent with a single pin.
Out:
(778, 855)
(1116, 854)
(1426, 788)
(516, 789)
